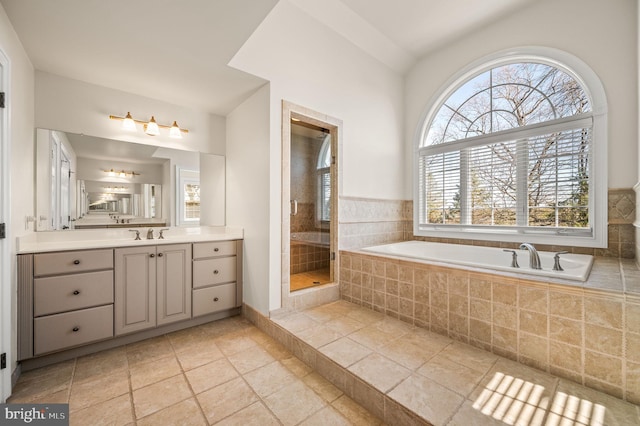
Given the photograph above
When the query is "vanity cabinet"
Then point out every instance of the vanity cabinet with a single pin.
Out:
(71, 299)
(217, 276)
(153, 286)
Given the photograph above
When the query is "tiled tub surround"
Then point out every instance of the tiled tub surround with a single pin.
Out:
(586, 332)
(367, 222)
(407, 375)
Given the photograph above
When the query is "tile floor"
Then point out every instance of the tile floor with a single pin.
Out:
(225, 373)
(309, 279)
(382, 362)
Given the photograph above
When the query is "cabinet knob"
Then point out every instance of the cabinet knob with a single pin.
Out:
(216, 272)
(152, 255)
(160, 254)
(76, 262)
(76, 329)
(215, 299)
(76, 292)
(216, 249)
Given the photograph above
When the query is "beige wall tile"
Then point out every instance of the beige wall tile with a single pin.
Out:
(459, 305)
(603, 367)
(480, 309)
(565, 356)
(565, 305)
(405, 273)
(459, 325)
(533, 299)
(439, 300)
(459, 284)
(480, 286)
(438, 282)
(603, 339)
(505, 316)
(534, 323)
(535, 348)
(480, 331)
(604, 312)
(566, 330)
(505, 338)
(633, 382)
(633, 347)
(505, 293)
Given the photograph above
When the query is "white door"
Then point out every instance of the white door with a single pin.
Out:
(5, 276)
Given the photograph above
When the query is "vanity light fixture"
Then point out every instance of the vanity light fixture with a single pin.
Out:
(151, 127)
(121, 173)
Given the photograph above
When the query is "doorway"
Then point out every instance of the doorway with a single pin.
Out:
(310, 191)
(310, 184)
(5, 275)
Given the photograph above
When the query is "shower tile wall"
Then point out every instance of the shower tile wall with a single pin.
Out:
(365, 222)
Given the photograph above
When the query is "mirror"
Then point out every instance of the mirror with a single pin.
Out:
(91, 182)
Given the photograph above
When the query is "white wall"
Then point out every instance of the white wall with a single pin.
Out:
(212, 183)
(248, 193)
(309, 65)
(20, 104)
(78, 107)
(600, 33)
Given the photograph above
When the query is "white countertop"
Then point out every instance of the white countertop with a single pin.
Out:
(80, 239)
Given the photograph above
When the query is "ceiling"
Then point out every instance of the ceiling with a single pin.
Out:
(178, 51)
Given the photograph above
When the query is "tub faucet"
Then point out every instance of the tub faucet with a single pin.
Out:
(150, 234)
(534, 259)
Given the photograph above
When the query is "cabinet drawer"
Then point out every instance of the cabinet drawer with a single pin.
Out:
(55, 332)
(72, 261)
(214, 249)
(214, 271)
(214, 299)
(70, 292)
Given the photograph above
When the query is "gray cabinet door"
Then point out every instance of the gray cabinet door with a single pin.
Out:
(135, 285)
(173, 283)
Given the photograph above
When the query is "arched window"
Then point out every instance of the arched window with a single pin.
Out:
(508, 153)
(323, 213)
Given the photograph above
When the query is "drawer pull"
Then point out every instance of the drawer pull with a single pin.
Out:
(216, 249)
(76, 262)
(160, 254)
(76, 329)
(216, 272)
(76, 292)
(215, 299)
(152, 255)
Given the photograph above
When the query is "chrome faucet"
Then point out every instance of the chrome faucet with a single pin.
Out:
(150, 234)
(534, 259)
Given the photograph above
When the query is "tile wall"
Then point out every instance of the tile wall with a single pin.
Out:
(590, 336)
(308, 257)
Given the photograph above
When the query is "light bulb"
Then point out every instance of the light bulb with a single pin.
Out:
(174, 131)
(128, 123)
(152, 127)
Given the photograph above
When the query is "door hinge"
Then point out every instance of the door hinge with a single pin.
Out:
(333, 255)
(333, 159)
(3, 361)
(3, 231)
(1, 99)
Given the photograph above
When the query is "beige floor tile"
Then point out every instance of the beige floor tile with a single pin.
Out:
(269, 379)
(153, 372)
(327, 416)
(380, 372)
(295, 322)
(297, 367)
(407, 353)
(322, 387)
(365, 316)
(593, 407)
(102, 388)
(373, 337)
(60, 397)
(149, 350)
(345, 325)
(354, 412)
(246, 361)
(254, 415)
(226, 399)
(236, 342)
(469, 356)
(38, 383)
(161, 395)
(199, 354)
(184, 413)
(116, 412)
(185, 340)
(318, 336)
(276, 350)
(294, 403)
(105, 362)
(429, 400)
(451, 375)
(467, 416)
(393, 326)
(345, 351)
(210, 375)
(323, 313)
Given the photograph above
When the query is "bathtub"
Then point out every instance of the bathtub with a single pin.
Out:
(576, 266)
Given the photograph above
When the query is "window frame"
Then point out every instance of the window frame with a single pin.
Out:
(598, 216)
